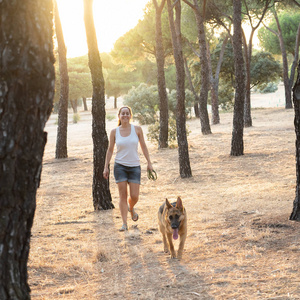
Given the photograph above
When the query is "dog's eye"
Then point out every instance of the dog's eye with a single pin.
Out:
(176, 216)
(171, 218)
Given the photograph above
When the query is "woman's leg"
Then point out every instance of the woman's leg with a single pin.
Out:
(122, 186)
(134, 190)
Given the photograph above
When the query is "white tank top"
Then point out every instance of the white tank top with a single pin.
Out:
(127, 148)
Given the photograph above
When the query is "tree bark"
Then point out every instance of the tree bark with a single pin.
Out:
(248, 56)
(237, 143)
(101, 193)
(161, 80)
(296, 56)
(214, 83)
(183, 150)
(84, 104)
(287, 87)
(205, 80)
(295, 215)
(26, 95)
(205, 83)
(115, 102)
(74, 105)
(189, 77)
(62, 127)
(247, 101)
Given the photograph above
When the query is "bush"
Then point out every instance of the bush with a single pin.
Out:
(226, 96)
(76, 118)
(189, 103)
(153, 132)
(144, 103)
(270, 87)
(110, 117)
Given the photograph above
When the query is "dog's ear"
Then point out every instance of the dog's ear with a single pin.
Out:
(179, 203)
(168, 203)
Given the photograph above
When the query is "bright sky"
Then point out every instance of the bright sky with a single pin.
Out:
(113, 18)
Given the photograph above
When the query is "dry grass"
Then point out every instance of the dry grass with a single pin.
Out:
(240, 243)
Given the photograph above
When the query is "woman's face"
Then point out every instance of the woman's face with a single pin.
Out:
(125, 114)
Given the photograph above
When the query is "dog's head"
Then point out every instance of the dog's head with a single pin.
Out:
(175, 215)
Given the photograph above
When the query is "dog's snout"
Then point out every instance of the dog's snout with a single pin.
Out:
(175, 224)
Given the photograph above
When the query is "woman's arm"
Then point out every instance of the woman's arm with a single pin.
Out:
(109, 153)
(144, 148)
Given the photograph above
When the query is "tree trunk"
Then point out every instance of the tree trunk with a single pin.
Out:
(248, 57)
(84, 104)
(189, 77)
(101, 193)
(26, 94)
(115, 102)
(161, 81)
(296, 56)
(247, 101)
(62, 127)
(214, 82)
(237, 144)
(287, 87)
(196, 109)
(204, 119)
(74, 105)
(183, 150)
(296, 99)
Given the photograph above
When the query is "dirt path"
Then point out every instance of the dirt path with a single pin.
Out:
(240, 243)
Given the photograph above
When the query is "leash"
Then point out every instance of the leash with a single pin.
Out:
(152, 175)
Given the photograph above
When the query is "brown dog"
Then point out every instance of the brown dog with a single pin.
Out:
(172, 221)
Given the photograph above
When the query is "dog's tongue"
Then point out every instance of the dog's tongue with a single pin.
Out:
(175, 234)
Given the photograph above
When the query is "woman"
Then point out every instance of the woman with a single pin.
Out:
(127, 169)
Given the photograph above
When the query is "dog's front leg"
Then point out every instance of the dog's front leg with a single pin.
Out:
(181, 245)
(172, 250)
(166, 248)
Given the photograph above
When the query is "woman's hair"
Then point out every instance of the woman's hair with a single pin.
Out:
(130, 111)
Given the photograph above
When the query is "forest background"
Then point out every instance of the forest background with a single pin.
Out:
(243, 212)
(215, 68)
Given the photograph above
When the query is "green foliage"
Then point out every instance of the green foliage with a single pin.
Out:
(153, 132)
(135, 50)
(189, 103)
(80, 84)
(264, 69)
(226, 95)
(76, 118)
(289, 22)
(144, 103)
(110, 117)
(270, 87)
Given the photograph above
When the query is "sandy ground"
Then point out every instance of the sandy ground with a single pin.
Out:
(240, 243)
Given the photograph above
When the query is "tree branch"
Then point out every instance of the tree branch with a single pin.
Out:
(174, 4)
(189, 4)
(296, 2)
(191, 46)
(271, 30)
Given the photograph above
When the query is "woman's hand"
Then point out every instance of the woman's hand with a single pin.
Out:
(149, 167)
(106, 173)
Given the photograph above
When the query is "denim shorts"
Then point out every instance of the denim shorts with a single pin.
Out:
(129, 174)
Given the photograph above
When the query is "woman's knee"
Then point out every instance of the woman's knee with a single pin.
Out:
(134, 197)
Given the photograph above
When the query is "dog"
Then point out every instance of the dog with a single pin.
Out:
(172, 221)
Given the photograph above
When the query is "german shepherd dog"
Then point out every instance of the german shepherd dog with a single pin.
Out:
(172, 220)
